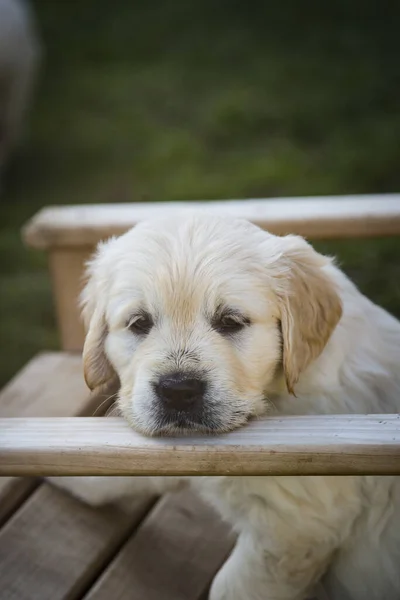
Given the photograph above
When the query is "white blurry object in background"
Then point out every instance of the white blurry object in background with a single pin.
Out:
(19, 59)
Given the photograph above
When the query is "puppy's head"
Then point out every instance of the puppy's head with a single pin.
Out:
(202, 318)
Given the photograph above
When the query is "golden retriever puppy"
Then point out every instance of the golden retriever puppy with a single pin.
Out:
(208, 322)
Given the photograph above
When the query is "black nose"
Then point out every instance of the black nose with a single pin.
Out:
(179, 391)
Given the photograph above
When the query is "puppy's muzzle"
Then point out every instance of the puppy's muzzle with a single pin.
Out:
(180, 392)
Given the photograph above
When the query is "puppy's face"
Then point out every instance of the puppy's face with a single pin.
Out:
(200, 317)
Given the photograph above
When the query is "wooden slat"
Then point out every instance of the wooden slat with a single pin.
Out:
(173, 556)
(304, 445)
(13, 492)
(316, 218)
(51, 385)
(54, 546)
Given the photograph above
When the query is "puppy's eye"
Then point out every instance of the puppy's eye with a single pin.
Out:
(140, 324)
(230, 323)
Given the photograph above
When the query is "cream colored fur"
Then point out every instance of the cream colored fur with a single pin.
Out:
(315, 345)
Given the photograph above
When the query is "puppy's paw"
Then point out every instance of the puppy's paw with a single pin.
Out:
(232, 582)
(222, 590)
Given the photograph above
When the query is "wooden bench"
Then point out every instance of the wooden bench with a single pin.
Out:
(52, 547)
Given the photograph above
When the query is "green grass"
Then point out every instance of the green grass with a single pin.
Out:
(175, 100)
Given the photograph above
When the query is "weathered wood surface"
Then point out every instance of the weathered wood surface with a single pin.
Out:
(54, 546)
(50, 385)
(173, 556)
(315, 218)
(304, 445)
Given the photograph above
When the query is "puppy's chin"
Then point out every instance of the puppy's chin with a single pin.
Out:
(154, 421)
(180, 424)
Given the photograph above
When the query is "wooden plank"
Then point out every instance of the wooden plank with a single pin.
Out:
(66, 270)
(54, 546)
(173, 556)
(315, 217)
(13, 492)
(51, 384)
(300, 445)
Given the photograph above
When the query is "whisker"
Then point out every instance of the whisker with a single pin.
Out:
(113, 411)
(271, 403)
(104, 402)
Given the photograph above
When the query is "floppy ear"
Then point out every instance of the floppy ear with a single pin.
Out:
(97, 368)
(310, 307)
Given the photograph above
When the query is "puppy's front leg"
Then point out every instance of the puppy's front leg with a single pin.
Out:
(243, 574)
(253, 573)
(288, 537)
(98, 491)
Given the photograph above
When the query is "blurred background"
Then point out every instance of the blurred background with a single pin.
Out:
(176, 100)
